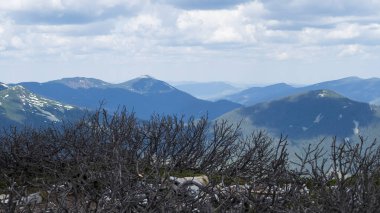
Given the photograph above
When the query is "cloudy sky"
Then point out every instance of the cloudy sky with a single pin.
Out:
(248, 41)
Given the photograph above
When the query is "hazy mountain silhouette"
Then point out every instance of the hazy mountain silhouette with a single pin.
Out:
(363, 90)
(144, 96)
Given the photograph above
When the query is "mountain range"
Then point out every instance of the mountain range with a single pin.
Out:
(208, 90)
(308, 115)
(363, 90)
(256, 95)
(144, 96)
(343, 107)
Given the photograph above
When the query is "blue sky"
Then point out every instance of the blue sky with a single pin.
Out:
(246, 41)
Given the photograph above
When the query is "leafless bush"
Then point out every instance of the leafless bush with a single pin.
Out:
(117, 163)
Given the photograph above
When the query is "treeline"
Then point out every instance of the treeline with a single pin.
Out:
(117, 163)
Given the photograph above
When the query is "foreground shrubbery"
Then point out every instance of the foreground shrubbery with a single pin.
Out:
(120, 164)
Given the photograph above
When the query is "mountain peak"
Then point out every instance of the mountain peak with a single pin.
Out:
(146, 84)
(316, 94)
(82, 82)
(146, 77)
(279, 86)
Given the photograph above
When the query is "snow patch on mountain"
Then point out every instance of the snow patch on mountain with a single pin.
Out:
(82, 83)
(146, 77)
(19, 105)
(356, 128)
(318, 118)
(48, 115)
(323, 94)
(34, 101)
(4, 85)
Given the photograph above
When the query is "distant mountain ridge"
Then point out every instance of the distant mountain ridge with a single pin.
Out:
(363, 90)
(142, 85)
(301, 112)
(145, 85)
(255, 95)
(82, 82)
(208, 90)
(144, 96)
(307, 115)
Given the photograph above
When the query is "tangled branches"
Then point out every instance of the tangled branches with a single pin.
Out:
(117, 163)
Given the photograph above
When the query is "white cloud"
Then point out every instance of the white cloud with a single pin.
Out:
(140, 24)
(294, 9)
(17, 5)
(225, 34)
(209, 26)
(282, 56)
(6, 33)
(365, 34)
(203, 4)
(310, 35)
(344, 31)
(28, 5)
(243, 33)
(351, 50)
(17, 42)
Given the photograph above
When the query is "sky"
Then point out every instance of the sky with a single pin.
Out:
(241, 41)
